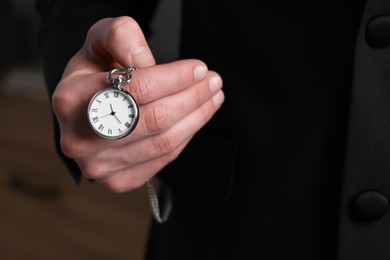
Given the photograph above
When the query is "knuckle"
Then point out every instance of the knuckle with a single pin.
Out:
(206, 112)
(158, 119)
(170, 157)
(198, 96)
(69, 146)
(91, 169)
(141, 89)
(119, 184)
(121, 20)
(113, 185)
(119, 27)
(163, 144)
(60, 102)
(73, 147)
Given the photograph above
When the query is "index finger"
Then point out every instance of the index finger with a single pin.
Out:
(112, 42)
(150, 84)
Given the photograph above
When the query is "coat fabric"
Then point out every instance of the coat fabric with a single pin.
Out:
(295, 164)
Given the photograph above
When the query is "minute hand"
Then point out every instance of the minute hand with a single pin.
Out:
(113, 113)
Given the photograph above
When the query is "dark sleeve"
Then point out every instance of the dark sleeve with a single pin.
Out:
(63, 28)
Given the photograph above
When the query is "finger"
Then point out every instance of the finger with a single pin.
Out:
(149, 84)
(74, 93)
(160, 115)
(112, 42)
(69, 103)
(117, 159)
(123, 39)
(134, 177)
(163, 143)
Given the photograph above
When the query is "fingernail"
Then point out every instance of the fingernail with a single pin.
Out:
(215, 84)
(218, 99)
(200, 72)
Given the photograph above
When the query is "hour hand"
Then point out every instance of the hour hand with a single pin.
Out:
(112, 113)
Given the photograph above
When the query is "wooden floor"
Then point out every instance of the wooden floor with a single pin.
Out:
(43, 213)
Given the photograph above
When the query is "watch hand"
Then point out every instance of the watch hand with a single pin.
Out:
(113, 113)
(117, 119)
(106, 115)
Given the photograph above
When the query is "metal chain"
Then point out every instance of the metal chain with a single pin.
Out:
(119, 76)
(154, 204)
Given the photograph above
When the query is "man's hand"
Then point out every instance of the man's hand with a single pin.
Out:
(175, 99)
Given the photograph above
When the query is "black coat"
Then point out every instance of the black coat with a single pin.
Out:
(295, 164)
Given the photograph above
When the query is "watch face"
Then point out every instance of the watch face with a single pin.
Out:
(113, 113)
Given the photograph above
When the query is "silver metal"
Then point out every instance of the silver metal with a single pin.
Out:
(129, 98)
(119, 76)
(155, 206)
(124, 110)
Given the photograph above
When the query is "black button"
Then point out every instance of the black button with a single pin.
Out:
(378, 31)
(370, 206)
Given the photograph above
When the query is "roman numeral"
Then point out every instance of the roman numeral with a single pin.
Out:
(95, 110)
(116, 94)
(101, 127)
(106, 95)
(131, 115)
(119, 130)
(130, 106)
(127, 124)
(97, 100)
(109, 131)
(95, 119)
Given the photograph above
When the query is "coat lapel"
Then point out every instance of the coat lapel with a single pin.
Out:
(364, 218)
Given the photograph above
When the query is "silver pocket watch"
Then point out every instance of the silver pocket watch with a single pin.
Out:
(113, 112)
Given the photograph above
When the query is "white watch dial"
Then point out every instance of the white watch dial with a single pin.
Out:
(113, 113)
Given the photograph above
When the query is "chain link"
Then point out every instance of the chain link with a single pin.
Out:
(155, 206)
(119, 76)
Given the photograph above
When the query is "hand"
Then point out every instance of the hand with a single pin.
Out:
(175, 99)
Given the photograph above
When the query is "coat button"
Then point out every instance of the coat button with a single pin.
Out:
(378, 31)
(370, 206)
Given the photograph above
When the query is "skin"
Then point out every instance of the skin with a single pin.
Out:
(175, 100)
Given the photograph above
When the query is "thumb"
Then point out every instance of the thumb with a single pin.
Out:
(113, 42)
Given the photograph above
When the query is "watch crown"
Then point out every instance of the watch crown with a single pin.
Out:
(117, 81)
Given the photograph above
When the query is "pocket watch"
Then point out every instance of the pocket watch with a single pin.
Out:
(113, 112)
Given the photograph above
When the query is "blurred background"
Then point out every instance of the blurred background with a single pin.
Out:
(43, 213)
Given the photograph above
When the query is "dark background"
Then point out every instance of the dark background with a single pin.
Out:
(43, 213)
